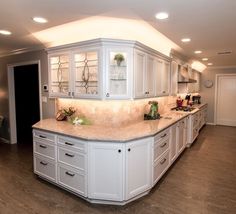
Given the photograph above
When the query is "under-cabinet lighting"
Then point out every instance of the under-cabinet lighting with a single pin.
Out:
(5, 32)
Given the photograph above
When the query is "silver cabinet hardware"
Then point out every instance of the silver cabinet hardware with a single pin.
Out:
(163, 161)
(69, 144)
(163, 135)
(69, 155)
(163, 145)
(70, 174)
(43, 163)
(42, 136)
(42, 146)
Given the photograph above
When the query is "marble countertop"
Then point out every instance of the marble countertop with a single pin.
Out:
(134, 131)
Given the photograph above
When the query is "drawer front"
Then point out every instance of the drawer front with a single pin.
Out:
(72, 158)
(195, 120)
(160, 166)
(161, 147)
(72, 143)
(45, 168)
(72, 179)
(44, 149)
(44, 136)
(161, 135)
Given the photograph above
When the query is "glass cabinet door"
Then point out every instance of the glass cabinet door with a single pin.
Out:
(86, 74)
(117, 75)
(59, 74)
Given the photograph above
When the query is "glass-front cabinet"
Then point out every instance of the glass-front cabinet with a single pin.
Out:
(59, 75)
(86, 73)
(118, 73)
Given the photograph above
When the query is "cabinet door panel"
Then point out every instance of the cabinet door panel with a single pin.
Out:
(159, 71)
(139, 68)
(166, 78)
(174, 78)
(173, 143)
(59, 75)
(138, 167)
(105, 171)
(150, 79)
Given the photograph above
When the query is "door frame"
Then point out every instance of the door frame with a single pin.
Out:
(11, 91)
(218, 76)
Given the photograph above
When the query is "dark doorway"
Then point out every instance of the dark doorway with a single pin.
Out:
(26, 101)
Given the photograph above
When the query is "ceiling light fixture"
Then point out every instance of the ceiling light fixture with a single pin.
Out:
(162, 15)
(197, 52)
(5, 32)
(209, 63)
(186, 40)
(204, 59)
(40, 20)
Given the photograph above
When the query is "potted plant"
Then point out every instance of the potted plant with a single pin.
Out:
(119, 58)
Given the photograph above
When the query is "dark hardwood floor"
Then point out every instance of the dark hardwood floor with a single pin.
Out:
(202, 181)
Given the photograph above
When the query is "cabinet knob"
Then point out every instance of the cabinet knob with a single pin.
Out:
(69, 93)
(107, 95)
(129, 149)
(119, 150)
(163, 92)
(73, 93)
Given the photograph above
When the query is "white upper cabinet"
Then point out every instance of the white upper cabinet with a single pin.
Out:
(174, 78)
(86, 79)
(107, 69)
(162, 77)
(144, 68)
(59, 74)
(118, 73)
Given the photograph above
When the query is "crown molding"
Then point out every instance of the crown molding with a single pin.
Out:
(221, 67)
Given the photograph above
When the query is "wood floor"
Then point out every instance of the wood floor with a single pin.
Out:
(202, 181)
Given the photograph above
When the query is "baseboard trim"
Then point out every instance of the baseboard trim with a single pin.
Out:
(4, 140)
(211, 124)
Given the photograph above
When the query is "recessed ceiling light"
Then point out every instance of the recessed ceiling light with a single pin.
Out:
(186, 40)
(197, 52)
(162, 15)
(40, 20)
(204, 59)
(209, 63)
(5, 32)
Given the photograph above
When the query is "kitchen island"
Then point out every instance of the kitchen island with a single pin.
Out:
(108, 165)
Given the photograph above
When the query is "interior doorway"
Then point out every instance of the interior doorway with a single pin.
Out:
(225, 113)
(24, 100)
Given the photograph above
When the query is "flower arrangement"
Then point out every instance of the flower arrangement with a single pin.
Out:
(153, 112)
(119, 58)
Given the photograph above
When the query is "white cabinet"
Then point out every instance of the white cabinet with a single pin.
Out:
(107, 69)
(138, 167)
(162, 77)
(59, 71)
(182, 135)
(144, 66)
(106, 171)
(119, 66)
(174, 142)
(174, 78)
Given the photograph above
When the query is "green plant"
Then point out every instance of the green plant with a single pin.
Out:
(119, 58)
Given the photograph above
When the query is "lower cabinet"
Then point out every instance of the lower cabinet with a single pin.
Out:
(182, 135)
(137, 167)
(174, 142)
(106, 174)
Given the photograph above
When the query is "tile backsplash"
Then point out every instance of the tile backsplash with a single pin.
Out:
(115, 112)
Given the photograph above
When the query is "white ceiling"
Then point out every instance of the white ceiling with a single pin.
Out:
(209, 23)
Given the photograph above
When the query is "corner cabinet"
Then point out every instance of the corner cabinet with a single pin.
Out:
(107, 69)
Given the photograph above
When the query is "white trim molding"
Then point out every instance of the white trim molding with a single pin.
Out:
(11, 91)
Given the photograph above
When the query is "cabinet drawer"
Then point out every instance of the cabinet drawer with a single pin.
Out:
(44, 149)
(160, 166)
(74, 159)
(45, 167)
(70, 143)
(44, 136)
(161, 147)
(161, 135)
(72, 179)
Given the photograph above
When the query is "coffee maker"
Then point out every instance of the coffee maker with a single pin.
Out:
(196, 99)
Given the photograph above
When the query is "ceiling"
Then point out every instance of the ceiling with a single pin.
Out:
(210, 24)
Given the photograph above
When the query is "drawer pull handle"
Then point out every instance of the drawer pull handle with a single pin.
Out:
(163, 161)
(70, 174)
(129, 149)
(69, 155)
(43, 163)
(163, 135)
(70, 144)
(119, 150)
(42, 136)
(42, 146)
(163, 145)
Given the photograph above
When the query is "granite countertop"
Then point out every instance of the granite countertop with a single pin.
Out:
(134, 131)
